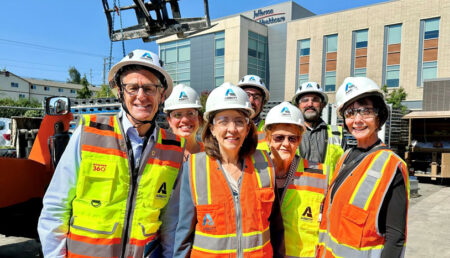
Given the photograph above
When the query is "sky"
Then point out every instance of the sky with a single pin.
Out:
(43, 39)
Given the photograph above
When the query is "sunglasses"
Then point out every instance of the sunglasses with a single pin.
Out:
(280, 138)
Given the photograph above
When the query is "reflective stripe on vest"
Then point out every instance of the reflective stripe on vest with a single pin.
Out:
(300, 209)
(358, 208)
(103, 193)
(212, 238)
(262, 143)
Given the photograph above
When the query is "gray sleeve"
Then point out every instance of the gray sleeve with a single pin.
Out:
(169, 218)
(184, 234)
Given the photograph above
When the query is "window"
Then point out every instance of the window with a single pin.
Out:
(330, 81)
(361, 38)
(431, 28)
(332, 43)
(360, 72)
(305, 47)
(46, 88)
(393, 75)
(257, 52)
(394, 34)
(302, 79)
(219, 59)
(220, 47)
(177, 59)
(60, 90)
(21, 96)
(72, 91)
(429, 70)
(33, 87)
(14, 84)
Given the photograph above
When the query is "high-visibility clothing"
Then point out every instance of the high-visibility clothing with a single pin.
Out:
(334, 149)
(116, 209)
(349, 226)
(300, 208)
(262, 143)
(232, 224)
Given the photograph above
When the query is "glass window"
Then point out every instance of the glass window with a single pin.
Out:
(431, 28)
(21, 96)
(394, 34)
(46, 88)
(171, 55)
(33, 87)
(257, 52)
(184, 53)
(330, 81)
(393, 76)
(360, 72)
(72, 91)
(220, 47)
(429, 70)
(332, 43)
(361, 38)
(60, 90)
(302, 78)
(219, 80)
(14, 84)
(305, 47)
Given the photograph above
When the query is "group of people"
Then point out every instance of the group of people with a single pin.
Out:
(286, 186)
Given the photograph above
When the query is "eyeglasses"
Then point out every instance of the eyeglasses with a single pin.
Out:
(149, 89)
(188, 114)
(224, 121)
(280, 138)
(312, 99)
(350, 113)
(254, 96)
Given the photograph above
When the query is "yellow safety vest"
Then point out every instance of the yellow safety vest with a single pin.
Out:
(334, 149)
(300, 208)
(115, 214)
(262, 143)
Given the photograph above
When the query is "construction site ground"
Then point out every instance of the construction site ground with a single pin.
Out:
(428, 226)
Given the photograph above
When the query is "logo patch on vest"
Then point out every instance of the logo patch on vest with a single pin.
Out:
(208, 223)
(162, 191)
(307, 214)
(98, 167)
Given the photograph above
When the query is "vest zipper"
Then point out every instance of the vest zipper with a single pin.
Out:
(237, 208)
(126, 232)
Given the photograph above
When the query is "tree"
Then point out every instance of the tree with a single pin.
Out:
(105, 92)
(85, 92)
(8, 112)
(395, 97)
(75, 76)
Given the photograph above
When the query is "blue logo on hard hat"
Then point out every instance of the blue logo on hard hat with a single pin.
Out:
(285, 111)
(230, 94)
(147, 55)
(349, 87)
(252, 79)
(183, 96)
(207, 220)
(309, 85)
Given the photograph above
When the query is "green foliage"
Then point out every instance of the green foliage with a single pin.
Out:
(395, 97)
(203, 97)
(75, 76)
(8, 112)
(105, 92)
(85, 92)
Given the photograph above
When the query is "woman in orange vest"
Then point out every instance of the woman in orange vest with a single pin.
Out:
(365, 210)
(185, 117)
(228, 205)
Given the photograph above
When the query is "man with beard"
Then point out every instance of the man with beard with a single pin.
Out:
(258, 95)
(321, 142)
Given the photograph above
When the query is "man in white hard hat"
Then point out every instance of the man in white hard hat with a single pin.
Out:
(320, 143)
(258, 95)
(117, 172)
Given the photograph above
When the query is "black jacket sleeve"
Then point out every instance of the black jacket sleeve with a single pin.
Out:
(277, 228)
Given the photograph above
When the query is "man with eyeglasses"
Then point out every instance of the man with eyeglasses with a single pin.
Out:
(258, 95)
(321, 142)
(117, 173)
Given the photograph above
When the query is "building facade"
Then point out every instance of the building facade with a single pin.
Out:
(16, 87)
(397, 43)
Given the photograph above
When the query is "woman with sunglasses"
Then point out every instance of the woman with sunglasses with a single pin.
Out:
(184, 117)
(228, 205)
(366, 206)
(301, 184)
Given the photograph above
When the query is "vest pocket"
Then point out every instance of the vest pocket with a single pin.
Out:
(96, 182)
(265, 197)
(93, 226)
(211, 219)
(352, 225)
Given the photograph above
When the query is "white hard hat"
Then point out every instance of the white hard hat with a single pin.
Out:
(227, 96)
(182, 96)
(284, 113)
(144, 58)
(254, 81)
(354, 88)
(309, 87)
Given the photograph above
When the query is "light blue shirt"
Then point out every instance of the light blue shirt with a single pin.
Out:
(53, 223)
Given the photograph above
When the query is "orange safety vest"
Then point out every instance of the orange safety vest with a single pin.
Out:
(349, 226)
(232, 225)
(115, 214)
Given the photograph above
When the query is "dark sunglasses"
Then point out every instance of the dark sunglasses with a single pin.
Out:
(280, 138)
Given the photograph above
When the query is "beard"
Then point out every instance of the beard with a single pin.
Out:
(312, 116)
